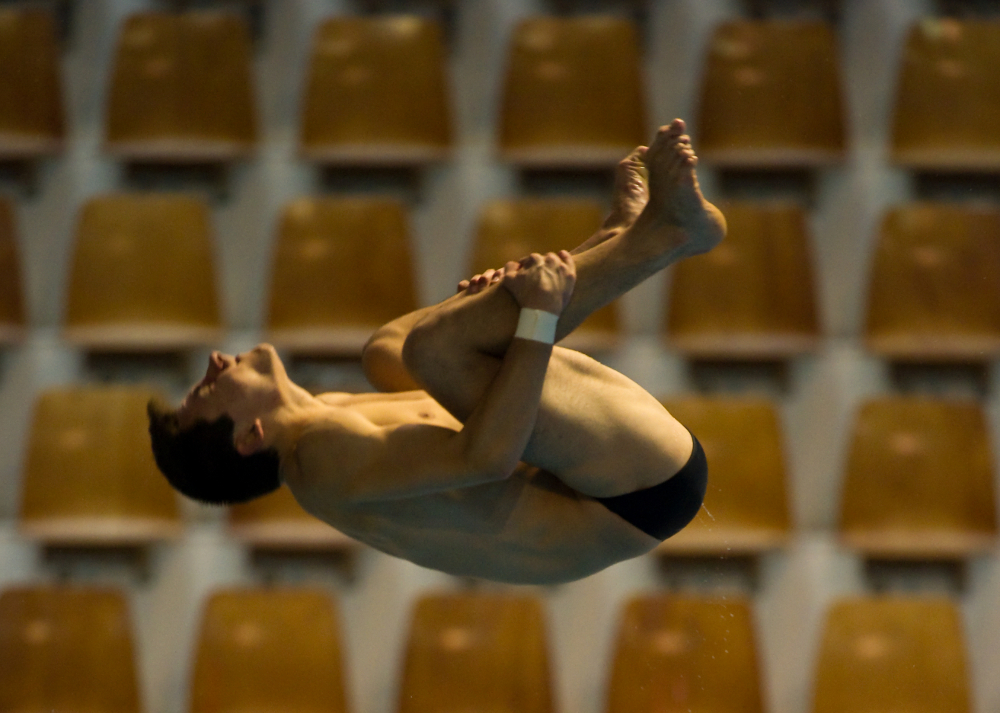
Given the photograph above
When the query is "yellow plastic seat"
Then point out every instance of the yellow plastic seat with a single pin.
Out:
(934, 293)
(752, 296)
(476, 652)
(269, 650)
(89, 476)
(919, 482)
(31, 112)
(277, 522)
(678, 653)
(573, 94)
(342, 269)
(182, 90)
(67, 649)
(142, 274)
(771, 96)
(11, 300)
(948, 98)
(377, 93)
(510, 229)
(746, 505)
(892, 654)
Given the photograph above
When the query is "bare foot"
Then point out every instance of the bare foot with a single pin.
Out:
(675, 199)
(629, 197)
(631, 192)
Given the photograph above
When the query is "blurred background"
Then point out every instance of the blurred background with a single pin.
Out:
(179, 177)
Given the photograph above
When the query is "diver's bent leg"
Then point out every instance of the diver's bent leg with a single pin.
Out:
(382, 356)
(598, 431)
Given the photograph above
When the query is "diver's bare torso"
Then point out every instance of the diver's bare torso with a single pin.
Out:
(530, 528)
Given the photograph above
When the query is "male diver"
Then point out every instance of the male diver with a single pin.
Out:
(489, 452)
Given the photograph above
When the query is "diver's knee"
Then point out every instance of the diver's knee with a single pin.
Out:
(425, 345)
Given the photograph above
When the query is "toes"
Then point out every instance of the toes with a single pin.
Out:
(675, 127)
(682, 156)
(636, 155)
(633, 161)
(683, 140)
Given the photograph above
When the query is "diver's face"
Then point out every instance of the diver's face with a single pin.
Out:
(244, 387)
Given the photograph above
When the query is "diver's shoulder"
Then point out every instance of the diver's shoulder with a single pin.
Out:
(329, 439)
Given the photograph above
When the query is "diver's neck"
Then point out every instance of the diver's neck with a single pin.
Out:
(296, 410)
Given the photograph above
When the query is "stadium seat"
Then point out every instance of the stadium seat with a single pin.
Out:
(948, 98)
(934, 293)
(182, 89)
(892, 654)
(919, 482)
(746, 506)
(67, 649)
(377, 93)
(677, 653)
(476, 652)
(573, 94)
(142, 274)
(89, 476)
(342, 269)
(510, 229)
(751, 297)
(278, 522)
(269, 650)
(12, 320)
(31, 112)
(771, 96)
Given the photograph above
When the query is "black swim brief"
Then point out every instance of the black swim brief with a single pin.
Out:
(663, 510)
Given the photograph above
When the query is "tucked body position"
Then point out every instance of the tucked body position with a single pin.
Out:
(488, 451)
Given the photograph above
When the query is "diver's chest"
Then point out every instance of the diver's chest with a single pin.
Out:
(390, 413)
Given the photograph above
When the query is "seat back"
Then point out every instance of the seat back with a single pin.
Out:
(892, 653)
(377, 92)
(510, 229)
(90, 477)
(271, 649)
(341, 264)
(11, 300)
(919, 479)
(677, 653)
(67, 649)
(771, 95)
(752, 296)
(31, 112)
(181, 88)
(934, 292)
(948, 77)
(746, 505)
(476, 652)
(142, 273)
(562, 76)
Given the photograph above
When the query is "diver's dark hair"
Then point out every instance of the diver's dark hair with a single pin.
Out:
(202, 463)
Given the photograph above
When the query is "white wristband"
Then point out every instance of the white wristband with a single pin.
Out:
(537, 325)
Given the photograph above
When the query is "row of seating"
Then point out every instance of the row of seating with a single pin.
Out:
(919, 480)
(283, 649)
(342, 267)
(377, 92)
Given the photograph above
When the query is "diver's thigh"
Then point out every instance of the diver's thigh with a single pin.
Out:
(602, 433)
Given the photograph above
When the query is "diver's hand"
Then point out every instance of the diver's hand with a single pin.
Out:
(542, 282)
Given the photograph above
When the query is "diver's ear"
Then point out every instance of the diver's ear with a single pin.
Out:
(251, 440)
